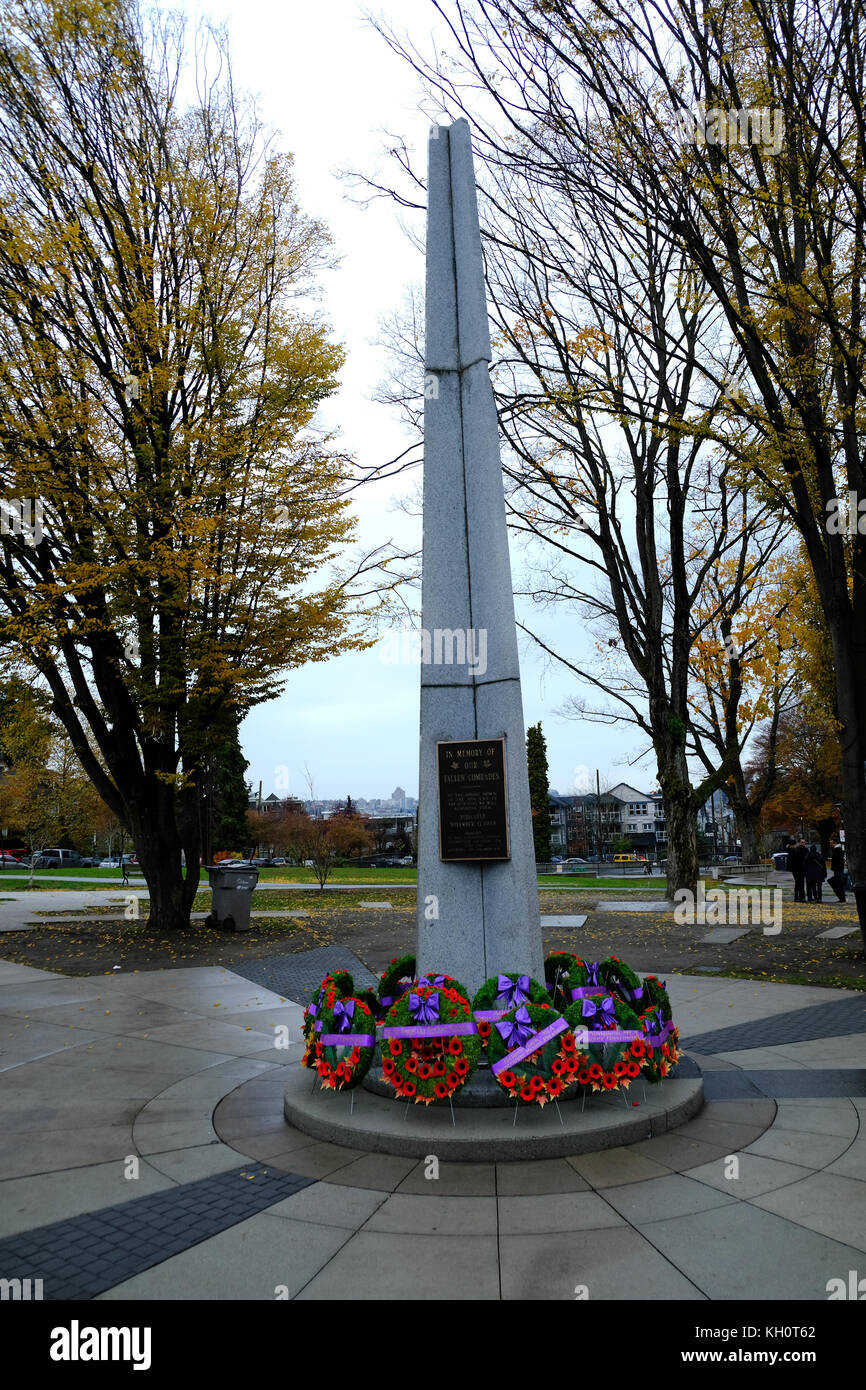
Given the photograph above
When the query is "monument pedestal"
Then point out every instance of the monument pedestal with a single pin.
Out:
(489, 1134)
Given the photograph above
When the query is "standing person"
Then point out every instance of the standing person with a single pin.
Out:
(816, 872)
(797, 867)
(837, 864)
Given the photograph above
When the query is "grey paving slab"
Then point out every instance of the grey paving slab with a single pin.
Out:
(374, 1266)
(795, 1146)
(374, 904)
(617, 1264)
(613, 1167)
(674, 1195)
(836, 933)
(539, 1177)
(547, 921)
(818, 1115)
(553, 1212)
(723, 936)
(190, 1164)
(756, 1174)
(262, 1258)
(828, 1203)
(377, 1171)
(435, 1215)
(326, 1204)
(47, 1151)
(454, 1179)
(741, 1252)
(25, 1041)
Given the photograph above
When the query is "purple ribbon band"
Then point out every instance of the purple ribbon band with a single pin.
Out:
(424, 1010)
(488, 1015)
(514, 992)
(431, 1030)
(515, 1032)
(347, 1040)
(537, 1041)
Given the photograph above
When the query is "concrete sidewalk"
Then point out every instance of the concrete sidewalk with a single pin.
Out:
(143, 1155)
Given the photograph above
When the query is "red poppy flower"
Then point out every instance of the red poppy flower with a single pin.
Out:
(620, 1069)
(440, 1090)
(425, 1071)
(609, 1081)
(633, 1069)
(664, 1068)
(439, 1068)
(324, 1069)
(583, 1077)
(455, 1046)
(558, 1067)
(596, 1072)
(527, 1095)
(484, 1030)
(461, 1066)
(544, 1006)
(507, 1079)
(355, 1056)
(388, 1067)
(409, 1088)
(637, 1048)
(395, 1046)
(567, 1043)
(411, 1064)
(452, 1079)
(554, 1087)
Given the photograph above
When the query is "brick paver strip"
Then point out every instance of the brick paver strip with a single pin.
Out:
(84, 1256)
(784, 1084)
(832, 1020)
(296, 976)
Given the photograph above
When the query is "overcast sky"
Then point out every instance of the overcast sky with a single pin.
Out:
(333, 88)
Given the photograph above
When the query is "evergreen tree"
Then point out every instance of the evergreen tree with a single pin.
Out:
(539, 792)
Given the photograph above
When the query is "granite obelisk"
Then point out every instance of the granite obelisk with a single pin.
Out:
(477, 889)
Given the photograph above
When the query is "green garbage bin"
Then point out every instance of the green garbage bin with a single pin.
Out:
(232, 888)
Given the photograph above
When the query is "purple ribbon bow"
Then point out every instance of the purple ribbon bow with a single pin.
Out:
(515, 1034)
(343, 1010)
(592, 974)
(438, 981)
(604, 1013)
(514, 992)
(424, 1010)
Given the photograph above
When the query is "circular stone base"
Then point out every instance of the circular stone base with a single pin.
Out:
(486, 1134)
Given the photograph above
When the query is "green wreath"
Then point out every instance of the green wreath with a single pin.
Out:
(427, 1065)
(335, 986)
(659, 1057)
(606, 1065)
(343, 1064)
(532, 1077)
(522, 989)
(401, 968)
(557, 968)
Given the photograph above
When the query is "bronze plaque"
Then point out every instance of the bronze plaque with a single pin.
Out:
(473, 808)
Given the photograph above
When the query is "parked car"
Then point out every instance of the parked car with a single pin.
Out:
(57, 859)
(88, 862)
(10, 859)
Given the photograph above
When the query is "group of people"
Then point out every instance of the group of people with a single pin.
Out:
(809, 868)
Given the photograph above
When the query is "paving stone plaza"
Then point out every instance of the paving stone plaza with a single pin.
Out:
(144, 1156)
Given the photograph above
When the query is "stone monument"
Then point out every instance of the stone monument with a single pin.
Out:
(477, 889)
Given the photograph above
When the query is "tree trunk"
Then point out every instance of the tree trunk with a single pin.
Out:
(160, 843)
(679, 803)
(852, 739)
